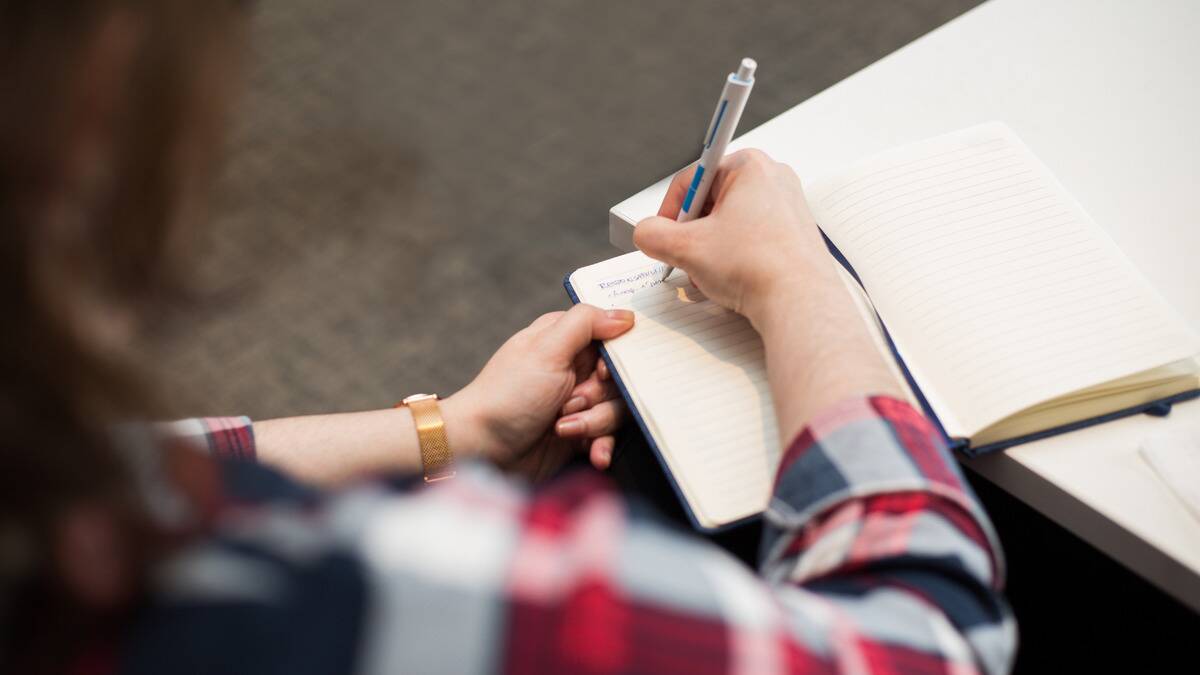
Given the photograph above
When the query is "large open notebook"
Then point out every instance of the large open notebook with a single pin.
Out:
(1008, 312)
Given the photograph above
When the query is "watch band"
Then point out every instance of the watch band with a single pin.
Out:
(436, 457)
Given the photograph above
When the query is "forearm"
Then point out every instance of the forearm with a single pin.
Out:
(818, 350)
(338, 448)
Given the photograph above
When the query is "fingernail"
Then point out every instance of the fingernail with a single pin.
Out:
(575, 405)
(606, 455)
(622, 315)
(569, 427)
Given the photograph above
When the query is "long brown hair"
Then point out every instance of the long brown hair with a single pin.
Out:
(110, 110)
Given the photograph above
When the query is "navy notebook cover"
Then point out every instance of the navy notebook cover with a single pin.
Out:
(1159, 408)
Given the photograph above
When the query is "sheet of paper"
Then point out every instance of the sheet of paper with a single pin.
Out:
(696, 372)
(999, 290)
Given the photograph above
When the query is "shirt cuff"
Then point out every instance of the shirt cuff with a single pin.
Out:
(229, 438)
(860, 447)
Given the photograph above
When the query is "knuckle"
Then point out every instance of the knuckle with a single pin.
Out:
(735, 160)
(588, 391)
(587, 310)
(523, 340)
(758, 158)
(579, 316)
(761, 167)
(608, 416)
(754, 164)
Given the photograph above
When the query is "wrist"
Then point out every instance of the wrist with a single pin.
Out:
(795, 296)
(466, 431)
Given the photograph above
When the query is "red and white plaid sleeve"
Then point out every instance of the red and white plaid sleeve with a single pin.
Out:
(222, 437)
(876, 558)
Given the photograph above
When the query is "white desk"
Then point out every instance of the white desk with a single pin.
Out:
(1107, 93)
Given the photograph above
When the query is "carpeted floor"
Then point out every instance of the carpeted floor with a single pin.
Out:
(408, 182)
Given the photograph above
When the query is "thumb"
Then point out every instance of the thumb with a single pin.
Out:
(581, 324)
(665, 239)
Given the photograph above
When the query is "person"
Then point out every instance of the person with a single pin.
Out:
(311, 545)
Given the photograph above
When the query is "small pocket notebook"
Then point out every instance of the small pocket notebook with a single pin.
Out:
(1006, 310)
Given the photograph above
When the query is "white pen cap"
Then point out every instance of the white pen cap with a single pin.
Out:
(745, 72)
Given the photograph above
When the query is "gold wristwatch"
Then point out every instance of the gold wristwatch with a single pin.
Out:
(436, 457)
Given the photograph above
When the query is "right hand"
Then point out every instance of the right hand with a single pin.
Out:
(757, 240)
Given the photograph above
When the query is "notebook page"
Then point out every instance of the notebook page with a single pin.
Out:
(696, 373)
(999, 290)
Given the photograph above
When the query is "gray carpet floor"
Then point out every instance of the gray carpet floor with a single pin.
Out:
(408, 181)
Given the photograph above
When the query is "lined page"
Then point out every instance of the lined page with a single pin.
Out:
(696, 373)
(999, 290)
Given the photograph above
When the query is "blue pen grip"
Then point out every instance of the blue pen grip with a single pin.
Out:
(691, 193)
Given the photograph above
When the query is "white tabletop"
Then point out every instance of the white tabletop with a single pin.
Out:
(1107, 94)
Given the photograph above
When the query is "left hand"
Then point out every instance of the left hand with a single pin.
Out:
(545, 394)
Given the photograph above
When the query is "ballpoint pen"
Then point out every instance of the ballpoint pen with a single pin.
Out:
(716, 139)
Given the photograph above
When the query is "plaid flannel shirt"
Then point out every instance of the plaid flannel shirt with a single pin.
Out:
(875, 558)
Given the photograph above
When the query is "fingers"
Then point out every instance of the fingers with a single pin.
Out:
(588, 393)
(678, 244)
(575, 330)
(666, 240)
(584, 363)
(574, 405)
(677, 189)
(676, 192)
(601, 452)
(602, 419)
(734, 164)
(595, 429)
(660, 237)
